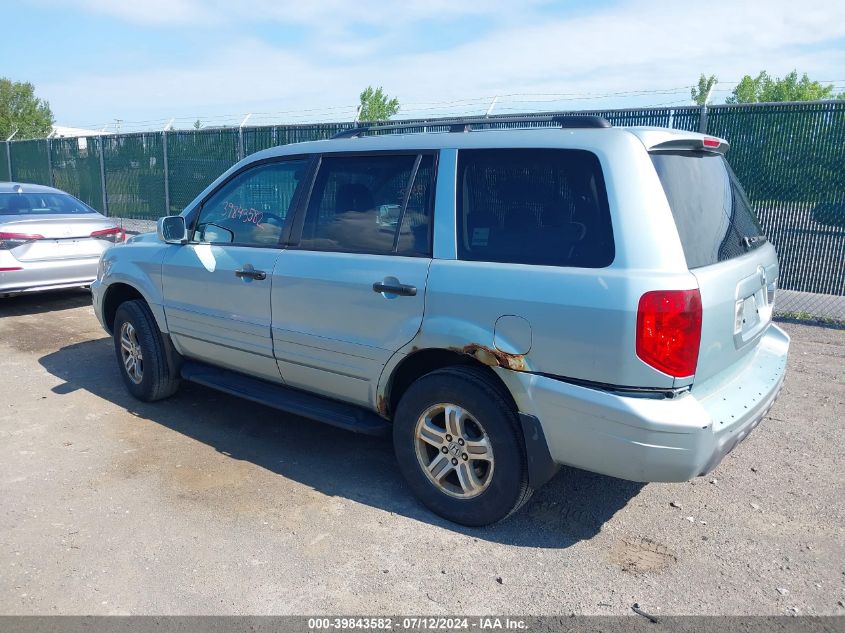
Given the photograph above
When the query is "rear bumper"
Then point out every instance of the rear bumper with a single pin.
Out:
(47, 275)
(656, 439)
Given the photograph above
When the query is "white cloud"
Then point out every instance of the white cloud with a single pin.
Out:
(632, 46)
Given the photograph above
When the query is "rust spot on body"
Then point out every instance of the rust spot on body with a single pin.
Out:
(382, 405)
(494, 357)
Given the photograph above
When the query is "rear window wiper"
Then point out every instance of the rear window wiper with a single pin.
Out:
(753, 241)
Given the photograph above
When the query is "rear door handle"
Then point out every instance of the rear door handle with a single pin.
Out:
(260, 275)
(403, 290)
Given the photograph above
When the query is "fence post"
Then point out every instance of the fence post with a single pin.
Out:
(9, 158)
(49, 162)
(241, 136)
(166, 172)
(702, 119)
(103, 176)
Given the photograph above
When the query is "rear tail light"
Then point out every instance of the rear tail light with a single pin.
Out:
(114, 235)
(709, 141)
(9, 241)
(669, 331)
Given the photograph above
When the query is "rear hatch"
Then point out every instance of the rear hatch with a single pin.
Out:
(736, 267)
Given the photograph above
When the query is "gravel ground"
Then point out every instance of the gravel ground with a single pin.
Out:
(205, 504)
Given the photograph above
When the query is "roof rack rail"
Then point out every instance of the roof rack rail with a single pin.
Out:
(565, 121)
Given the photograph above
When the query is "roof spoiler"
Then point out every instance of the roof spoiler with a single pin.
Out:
(564, 121)
(705, 143)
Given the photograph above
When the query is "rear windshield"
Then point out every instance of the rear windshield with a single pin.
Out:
(538, 206)
(714, 218)
(41, 204)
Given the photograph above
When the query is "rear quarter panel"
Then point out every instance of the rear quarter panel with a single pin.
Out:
(582, 321)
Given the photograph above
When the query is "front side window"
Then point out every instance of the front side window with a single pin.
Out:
(377, 204)
(252, 208)
(533, 206)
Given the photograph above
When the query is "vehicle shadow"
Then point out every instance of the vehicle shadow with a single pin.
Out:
(41, 302)
(572, 507)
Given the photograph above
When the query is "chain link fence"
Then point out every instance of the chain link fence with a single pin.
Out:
(789, 156)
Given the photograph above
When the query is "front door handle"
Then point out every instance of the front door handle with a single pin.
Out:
(260, 275)
(395, 288)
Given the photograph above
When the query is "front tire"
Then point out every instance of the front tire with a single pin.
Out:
(457, 440)
(141, 353)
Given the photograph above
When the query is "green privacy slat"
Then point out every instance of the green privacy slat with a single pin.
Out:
(195, 159)
(791, 160)
(29, 162)
(76, 168)
(4, 163)
(134, 174)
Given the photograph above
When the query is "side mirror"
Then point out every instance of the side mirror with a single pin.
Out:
(171, 229)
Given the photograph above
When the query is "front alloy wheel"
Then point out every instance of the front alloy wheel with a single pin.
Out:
(141, 353)
(130, 353)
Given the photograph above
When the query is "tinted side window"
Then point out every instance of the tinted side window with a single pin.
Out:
(710, 209)
(358, 204)
(538, 206)
(251, 209)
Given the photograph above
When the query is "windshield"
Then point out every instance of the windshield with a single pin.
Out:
(714, 218)
(41, 204)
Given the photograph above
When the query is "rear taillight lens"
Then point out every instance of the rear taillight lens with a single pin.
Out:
(115, 235)
(669, 331)
(11, 240)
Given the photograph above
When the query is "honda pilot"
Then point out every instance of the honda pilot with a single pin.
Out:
(500, 301)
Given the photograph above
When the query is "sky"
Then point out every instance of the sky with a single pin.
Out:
(145, 62)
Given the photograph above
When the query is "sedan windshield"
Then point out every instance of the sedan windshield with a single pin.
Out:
(41, 204)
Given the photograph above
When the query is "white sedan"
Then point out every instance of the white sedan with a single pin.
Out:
(49, 239)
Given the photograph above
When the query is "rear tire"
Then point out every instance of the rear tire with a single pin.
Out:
(141, 354)
(457, 440)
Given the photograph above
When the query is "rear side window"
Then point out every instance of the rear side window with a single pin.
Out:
(538, 206)
(714, 218)
(376, 204)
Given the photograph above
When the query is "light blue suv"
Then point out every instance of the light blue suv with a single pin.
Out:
(501, 301)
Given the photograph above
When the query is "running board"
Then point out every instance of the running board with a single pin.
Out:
(339, 414)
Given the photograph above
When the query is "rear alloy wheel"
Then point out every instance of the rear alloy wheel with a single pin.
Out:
(459, 446)
(141, 353)
(454, 451)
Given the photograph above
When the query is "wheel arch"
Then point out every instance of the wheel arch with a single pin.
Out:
(424, 361)
(116, 294)
(541, 466)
